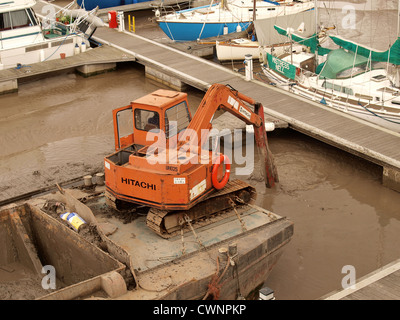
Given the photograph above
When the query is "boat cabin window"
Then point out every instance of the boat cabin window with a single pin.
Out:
(177, 119)
(379, 77)
(5, 21)
(32, 17)
(330, 85)
(347, 91)
(17, 19)
(338, 88)
(146, 120)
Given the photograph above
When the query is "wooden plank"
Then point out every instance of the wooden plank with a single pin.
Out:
(392, 284)
(378, 291)
(373, 280)
(387, 288)
(365, 294)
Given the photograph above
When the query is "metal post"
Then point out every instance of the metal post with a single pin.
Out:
(254, 11)
(121, 21)
(266, 294)
(316, 32)
(248, 66)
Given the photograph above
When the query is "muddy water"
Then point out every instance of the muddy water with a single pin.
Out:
(64, 120)
(342, 214)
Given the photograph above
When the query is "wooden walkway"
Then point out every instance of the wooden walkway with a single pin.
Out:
(382, 284)
(333, 127)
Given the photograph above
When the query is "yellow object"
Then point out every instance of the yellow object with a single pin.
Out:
(73, 219)
(131, 23)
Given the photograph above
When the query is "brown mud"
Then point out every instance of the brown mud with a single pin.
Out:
(61, 127)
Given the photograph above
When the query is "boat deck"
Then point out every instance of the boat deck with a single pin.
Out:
(382, 284)
(149, 250)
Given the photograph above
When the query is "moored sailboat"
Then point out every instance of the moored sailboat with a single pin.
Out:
(262, 39)
(225, 17)
(352, 78)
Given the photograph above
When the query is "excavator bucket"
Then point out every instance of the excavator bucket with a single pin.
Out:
(269, 169)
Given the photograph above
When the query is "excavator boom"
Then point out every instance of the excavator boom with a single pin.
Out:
(220, 96)
(224, 97)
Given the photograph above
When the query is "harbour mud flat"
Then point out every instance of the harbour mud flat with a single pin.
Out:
(114, 255)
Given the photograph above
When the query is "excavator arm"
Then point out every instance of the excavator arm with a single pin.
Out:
(220, 96)
(224, 97)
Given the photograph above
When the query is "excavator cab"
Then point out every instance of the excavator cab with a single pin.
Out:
(137, 124)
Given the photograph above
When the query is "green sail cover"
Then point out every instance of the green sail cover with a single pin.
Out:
(340, 60)
(311, 42)
(392, 55)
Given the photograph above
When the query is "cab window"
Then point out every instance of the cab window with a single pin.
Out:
(177, 119)
(146, 120)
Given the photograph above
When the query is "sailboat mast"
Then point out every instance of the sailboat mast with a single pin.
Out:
(398, 18)
(254, 11)
(397, 75)
(316, 34)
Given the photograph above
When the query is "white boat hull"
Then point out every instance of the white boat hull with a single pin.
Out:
(212, 21)
(360, 109)
(43, 51)
(237, 49)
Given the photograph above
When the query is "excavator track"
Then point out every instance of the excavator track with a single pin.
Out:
(215, 207)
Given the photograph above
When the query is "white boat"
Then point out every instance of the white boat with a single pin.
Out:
(225, 17)
(24, 39)
(236, 49)
(263, 40)
(353, 79)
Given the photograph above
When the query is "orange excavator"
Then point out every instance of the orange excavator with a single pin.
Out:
(165, 163)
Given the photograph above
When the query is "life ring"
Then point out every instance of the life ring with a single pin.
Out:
(220, 184)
